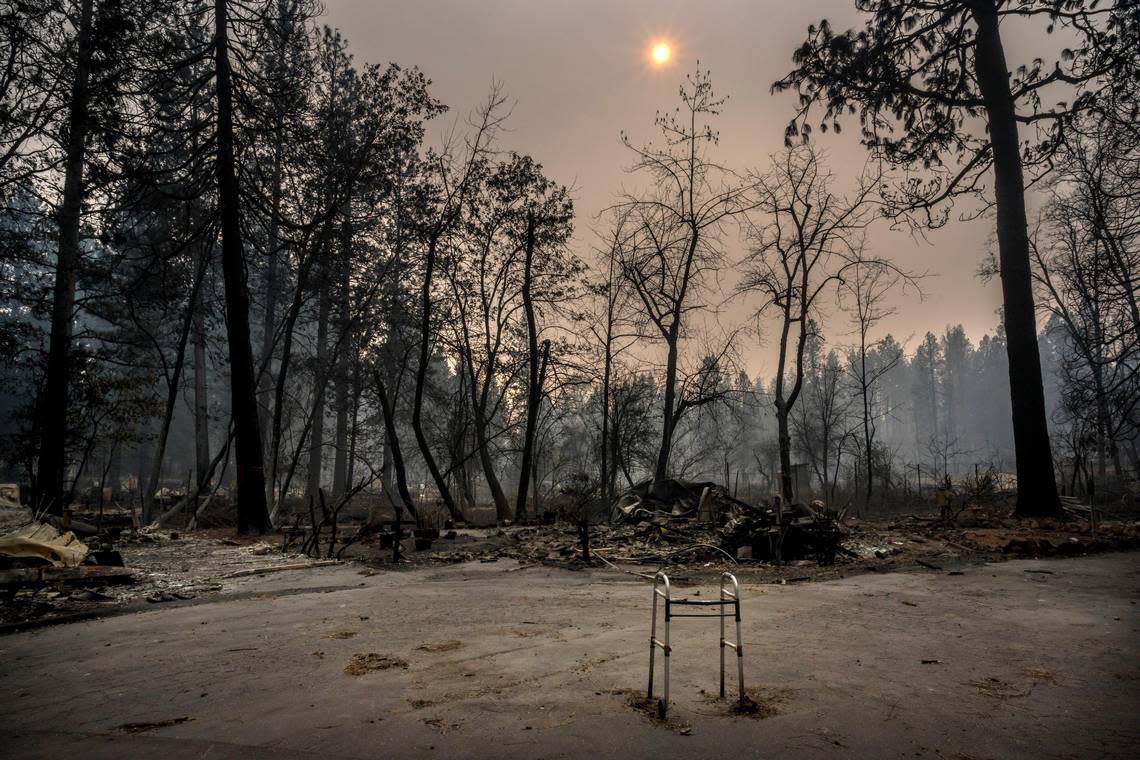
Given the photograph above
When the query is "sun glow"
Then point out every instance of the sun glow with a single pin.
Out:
(660, 53)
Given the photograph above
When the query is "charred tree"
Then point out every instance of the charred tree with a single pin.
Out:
(173, 382)
(392, 439)
(677, 244)
(806, 240)
(1036, 481)
(533, 389)
(253, 516)
(201, 399)
(936, 68)
(54, 401)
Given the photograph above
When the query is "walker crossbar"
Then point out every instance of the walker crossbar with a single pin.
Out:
(729, 597)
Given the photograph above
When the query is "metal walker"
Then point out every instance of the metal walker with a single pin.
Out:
(728, 598)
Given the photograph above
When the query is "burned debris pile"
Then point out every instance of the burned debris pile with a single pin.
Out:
(39, 554)
(37, 544)
(668, 521)
(67, 568)
(775, 532)
(74, 565)
(700, 524)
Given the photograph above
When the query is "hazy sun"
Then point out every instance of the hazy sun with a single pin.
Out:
(661, 53)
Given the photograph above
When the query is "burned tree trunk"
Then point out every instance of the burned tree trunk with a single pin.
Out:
(387, 407)
(286, 355)
(782, 401)
(606, 453)
(320, 383)
(349, 474)
(534, 389)
(669, 419)
(607, 372)
(54, 402)
(483, 442)
(251, 509)
(201, 400)
(785, 445)
(173, 384)
(1036, 481)
(868, 432)
(387, 472)
(345, 346)
(421, 383)
(341, 435)
(269, 318)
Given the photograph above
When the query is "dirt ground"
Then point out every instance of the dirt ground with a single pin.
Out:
(1029, 658)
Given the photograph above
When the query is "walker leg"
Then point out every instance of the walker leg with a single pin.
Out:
(739, 652)
(722, 642)
(668, 648)
(652, 643)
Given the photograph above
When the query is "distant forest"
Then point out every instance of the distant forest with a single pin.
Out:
(235, 263)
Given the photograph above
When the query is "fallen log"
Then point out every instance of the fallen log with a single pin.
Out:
(280, 568)
(78, 527)
(42, 576)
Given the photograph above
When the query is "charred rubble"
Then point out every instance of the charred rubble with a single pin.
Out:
(774, 532)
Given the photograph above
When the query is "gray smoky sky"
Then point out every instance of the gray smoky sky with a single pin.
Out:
(578, 72)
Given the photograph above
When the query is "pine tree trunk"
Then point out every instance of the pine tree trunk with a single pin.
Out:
(350, 467)
(345, 345)
(115, 470)
(1102, 422)
(324, 301)
(201, 401)
(252, 515)
(340, 438)
(1036, 481)
(536, 480)
(142, 455)
(285, 22)
(826, 456)
(286, 357)
(387, 473)
(607, 370)
(269, 318)
(153, 482)
(54, 402)
(320, 385)
(932, 392)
